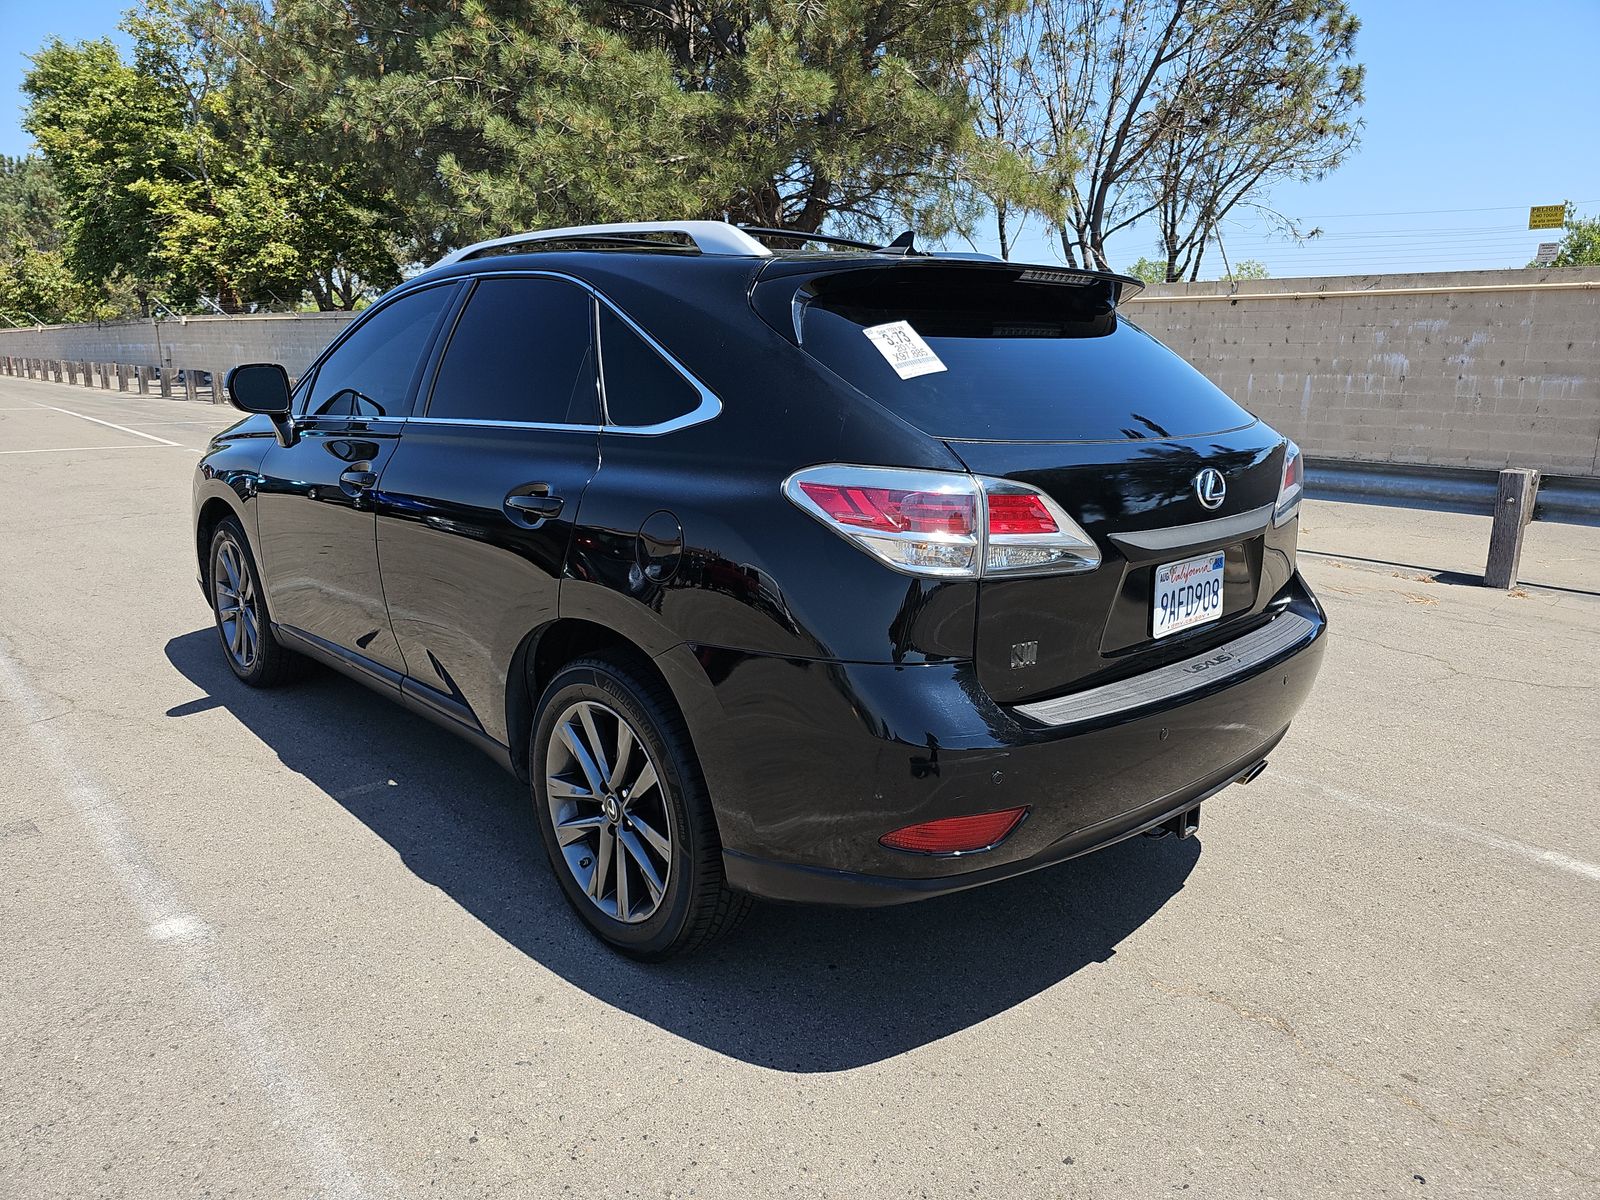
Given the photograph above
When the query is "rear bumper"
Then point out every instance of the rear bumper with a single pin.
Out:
(811, 763)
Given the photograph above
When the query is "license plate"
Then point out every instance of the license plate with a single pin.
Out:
(1187, 594)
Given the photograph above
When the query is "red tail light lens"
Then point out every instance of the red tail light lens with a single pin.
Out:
(954, 835)
(887, 510)
(1019, 512)
(1293, 486)
(944, 523)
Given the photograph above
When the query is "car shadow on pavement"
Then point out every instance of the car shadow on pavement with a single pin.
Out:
(795, 989)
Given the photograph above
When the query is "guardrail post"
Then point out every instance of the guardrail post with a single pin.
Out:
(88, 374)
(165, 376)
(219, 392)
(189, 392)
(141, 375)
(1513, 509)
(105, 377)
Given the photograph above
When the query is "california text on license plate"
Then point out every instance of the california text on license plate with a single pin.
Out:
(1187, 594)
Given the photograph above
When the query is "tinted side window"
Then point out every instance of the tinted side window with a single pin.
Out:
(522, 351)
(642, 388)
(370, 374)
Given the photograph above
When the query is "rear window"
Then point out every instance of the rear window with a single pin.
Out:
(1010, 361)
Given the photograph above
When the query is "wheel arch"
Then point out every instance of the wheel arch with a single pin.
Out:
(211, 513)
(542, 653)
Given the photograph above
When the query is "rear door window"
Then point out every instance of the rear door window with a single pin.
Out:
(1011, 361)
(522, 351)
(372, 371)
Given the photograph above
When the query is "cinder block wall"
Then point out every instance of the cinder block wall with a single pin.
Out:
(1461, 368)
(199, 343)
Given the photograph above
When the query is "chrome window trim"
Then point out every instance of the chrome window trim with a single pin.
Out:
(1240, 656)
(492, 424)
(710, 405)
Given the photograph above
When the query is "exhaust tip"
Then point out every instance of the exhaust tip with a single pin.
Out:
(1253, 774)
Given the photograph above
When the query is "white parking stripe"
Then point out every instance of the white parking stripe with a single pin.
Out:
(288, 1083)
(69, 449)
(1538, 854)
(108, 424)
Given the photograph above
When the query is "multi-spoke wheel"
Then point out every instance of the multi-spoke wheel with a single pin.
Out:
(624, 812)
(255, 655)
(234, 595)
(609, 811)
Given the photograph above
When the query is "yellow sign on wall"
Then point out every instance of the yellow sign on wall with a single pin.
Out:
(1547, 216)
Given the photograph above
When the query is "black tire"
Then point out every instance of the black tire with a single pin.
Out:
(271, 663)
(695, 907)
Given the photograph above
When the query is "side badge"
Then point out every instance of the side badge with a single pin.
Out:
(1024, 654)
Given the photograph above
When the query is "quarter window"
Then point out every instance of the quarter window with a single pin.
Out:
(642, 388)
(522, 351)
(371, 373)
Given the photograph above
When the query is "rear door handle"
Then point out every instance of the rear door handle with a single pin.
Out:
(354, 481)
(536, 506)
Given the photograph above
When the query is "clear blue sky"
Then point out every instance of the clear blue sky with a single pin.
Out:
(1475, 110)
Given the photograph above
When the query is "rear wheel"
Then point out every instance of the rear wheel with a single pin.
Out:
(624, 813)
(239, 604)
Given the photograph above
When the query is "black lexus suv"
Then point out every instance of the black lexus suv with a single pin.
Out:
(852, 575)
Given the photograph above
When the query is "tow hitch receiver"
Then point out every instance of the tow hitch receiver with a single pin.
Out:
(1184, 824)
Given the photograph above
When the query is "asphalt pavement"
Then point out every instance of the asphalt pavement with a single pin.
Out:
(301, 943)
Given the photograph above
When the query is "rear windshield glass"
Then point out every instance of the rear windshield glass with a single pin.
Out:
(1008, 361)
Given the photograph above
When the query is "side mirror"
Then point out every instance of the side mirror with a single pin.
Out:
(260, 388)
(263, 388)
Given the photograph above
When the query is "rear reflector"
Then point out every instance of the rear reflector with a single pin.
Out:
(953, 835)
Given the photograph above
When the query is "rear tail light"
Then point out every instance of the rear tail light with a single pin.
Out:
(1293, 485)
(944, 523)
(956, 835)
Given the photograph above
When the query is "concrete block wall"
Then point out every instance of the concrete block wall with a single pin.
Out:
(1465, 368)
(196, 343)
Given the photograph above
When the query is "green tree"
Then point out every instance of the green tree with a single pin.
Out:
(161, 182)
(1182, 110)
(1247, 268)
(35, 282)
(1580, 245)
(1149, 270)
(480, 116)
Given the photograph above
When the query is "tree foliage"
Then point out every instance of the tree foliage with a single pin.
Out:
(162, 184)
(1180, 111)
(483, 116)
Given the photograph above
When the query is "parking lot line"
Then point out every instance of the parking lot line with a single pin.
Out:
(1493, 841)
(286, 1083)
(110, 425)
(68, 449)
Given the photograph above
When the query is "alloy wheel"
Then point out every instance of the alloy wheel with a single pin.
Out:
(235, 594)
(610, 812)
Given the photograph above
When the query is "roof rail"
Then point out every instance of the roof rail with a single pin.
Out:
(709, 237)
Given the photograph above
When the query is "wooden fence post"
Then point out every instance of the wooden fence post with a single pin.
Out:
(188, 385)
(1513, 509)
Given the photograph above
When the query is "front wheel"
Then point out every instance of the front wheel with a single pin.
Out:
(239, 604)
(624, 813)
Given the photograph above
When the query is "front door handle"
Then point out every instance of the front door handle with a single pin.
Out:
(536, 506)
(358, 481)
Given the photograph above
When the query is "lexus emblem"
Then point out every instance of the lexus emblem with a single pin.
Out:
(1210, 488)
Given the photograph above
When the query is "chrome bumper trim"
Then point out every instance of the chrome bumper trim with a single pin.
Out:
(1174, 679)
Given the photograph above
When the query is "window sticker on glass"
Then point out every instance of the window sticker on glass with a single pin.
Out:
(905, 351)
